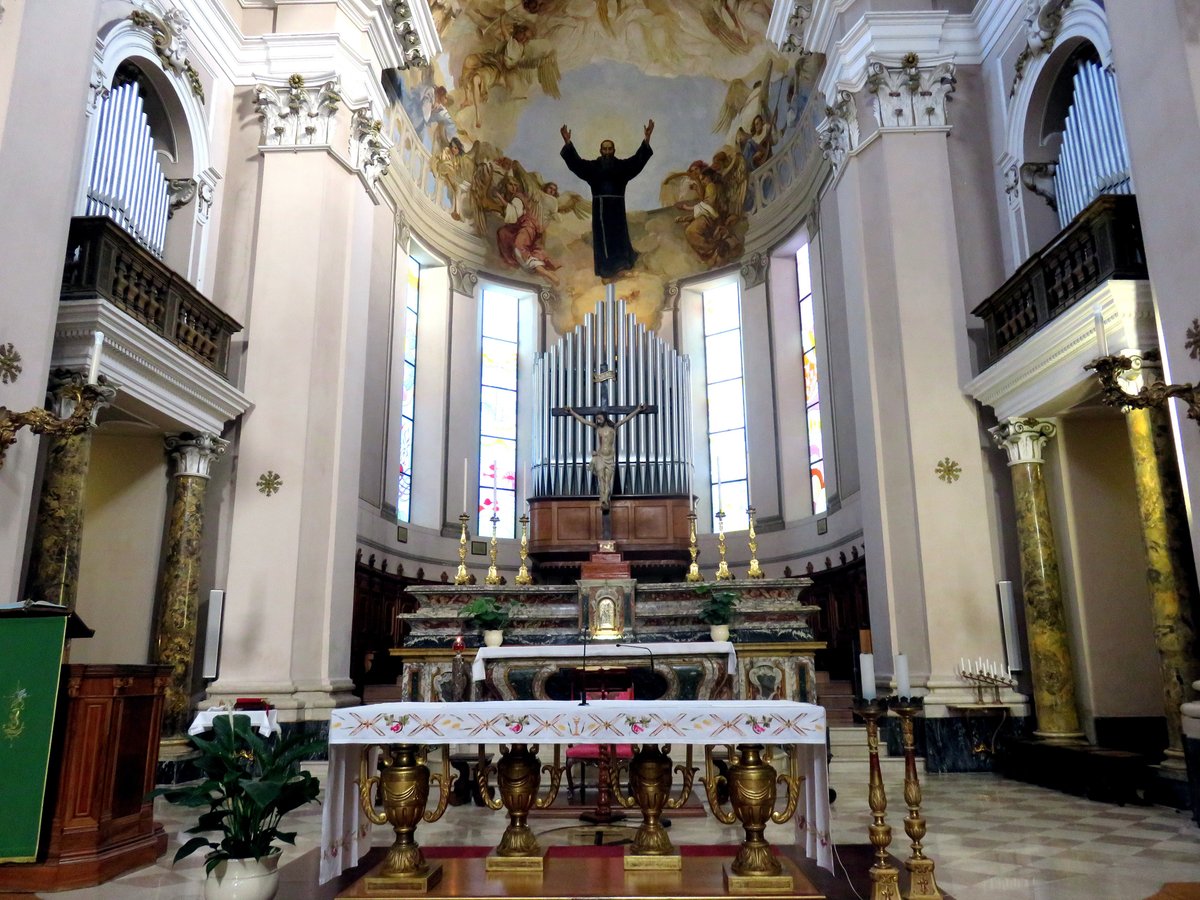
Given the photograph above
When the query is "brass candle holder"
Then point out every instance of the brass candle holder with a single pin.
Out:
(693, 572)
(461, 577)
(723, 573)
(921, 883)
(755, 571)
(650, 782)
(885, 878)
(493, 574)
(523, 576)
(519, 776)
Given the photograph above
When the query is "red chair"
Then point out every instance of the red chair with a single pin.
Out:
(600, 755)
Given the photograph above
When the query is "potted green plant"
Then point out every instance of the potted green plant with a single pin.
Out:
(487, 614)
(716, 611)
(249, 784)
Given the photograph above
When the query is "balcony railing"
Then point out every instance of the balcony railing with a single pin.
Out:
(1103, 242)
(103, 260)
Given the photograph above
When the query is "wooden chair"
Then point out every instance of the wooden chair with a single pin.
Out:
(600, 755)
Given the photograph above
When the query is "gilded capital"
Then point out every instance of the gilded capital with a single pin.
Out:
(295, 114)
(909, 94)
(193, 454)
(1023, 439)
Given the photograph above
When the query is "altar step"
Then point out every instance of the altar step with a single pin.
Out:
(848, 744)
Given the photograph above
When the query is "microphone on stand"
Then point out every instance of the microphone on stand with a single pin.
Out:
(640, 647)
(583, 678)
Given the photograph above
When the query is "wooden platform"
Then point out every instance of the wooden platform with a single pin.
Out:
(590, 876)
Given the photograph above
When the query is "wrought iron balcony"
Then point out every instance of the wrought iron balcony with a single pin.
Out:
(1103, 242)
(104, 261)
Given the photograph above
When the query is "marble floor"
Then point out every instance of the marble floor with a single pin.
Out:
(991, 839)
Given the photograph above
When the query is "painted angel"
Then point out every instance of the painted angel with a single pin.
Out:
(513, 59)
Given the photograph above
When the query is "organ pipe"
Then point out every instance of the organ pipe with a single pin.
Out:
(1094, 158)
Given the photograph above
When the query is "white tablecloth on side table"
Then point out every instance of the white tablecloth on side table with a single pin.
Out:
(345, 830)
(264, 720)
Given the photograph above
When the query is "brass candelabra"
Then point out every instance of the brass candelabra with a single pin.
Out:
(885, 878)
(755, 571)
(87, 398)
(723, 573)
(921, 883)
(693, 572)
(523, 576)
(1111, 370)
(493, 574)
(461, 577)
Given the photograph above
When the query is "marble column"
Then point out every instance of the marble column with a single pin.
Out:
(174, 638)
(58, 528)
(1170, 568)
(1045, 618)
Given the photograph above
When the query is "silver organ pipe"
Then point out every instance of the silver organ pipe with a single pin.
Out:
(1094, 158)
(126, 182)
(653, 450)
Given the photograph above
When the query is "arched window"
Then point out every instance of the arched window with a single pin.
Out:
(500, 343)
(725, 394)
(812, 395)
(412, 301)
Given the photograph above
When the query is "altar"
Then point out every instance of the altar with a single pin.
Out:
(406, 729)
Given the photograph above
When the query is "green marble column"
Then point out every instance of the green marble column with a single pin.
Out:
(179, 591)
(1170, 569)
(1045, 618)
(58, 528)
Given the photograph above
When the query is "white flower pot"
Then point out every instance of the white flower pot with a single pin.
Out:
(244, 879)
(493, 638)
(718, 632)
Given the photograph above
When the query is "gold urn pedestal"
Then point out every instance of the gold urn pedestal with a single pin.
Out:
(402, 885)
(494, 862)
(641, 862)
(783, 883)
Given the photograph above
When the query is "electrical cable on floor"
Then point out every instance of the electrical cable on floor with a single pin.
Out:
(838, 857)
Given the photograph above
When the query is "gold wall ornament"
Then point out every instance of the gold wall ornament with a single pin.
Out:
(1192, 344)
(650, 782)
(461, 577)
(755, 570)
(921, 883)
(269, 482)
(948, 470)
(693, 572)
(723, 573)
(87, 399)
(402, 786)
(10, 363)
(519, 777)
(523, 576)
(752, 783)
(885, 878)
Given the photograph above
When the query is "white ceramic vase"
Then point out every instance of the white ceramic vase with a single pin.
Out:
(493, 637)
(718, 632)
(244, 879)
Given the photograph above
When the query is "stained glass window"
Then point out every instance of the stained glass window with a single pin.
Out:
(812, 397)
(498, 413)
(408, 387)
(726, 397)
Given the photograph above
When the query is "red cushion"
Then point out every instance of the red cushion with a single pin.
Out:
(592, 751)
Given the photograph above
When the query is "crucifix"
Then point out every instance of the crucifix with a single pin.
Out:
(604, 419)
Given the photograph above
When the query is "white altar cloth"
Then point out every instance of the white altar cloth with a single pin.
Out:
(345, 830)
(600, 650)
(265, 721)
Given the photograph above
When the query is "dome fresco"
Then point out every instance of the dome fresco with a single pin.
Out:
(489, 109)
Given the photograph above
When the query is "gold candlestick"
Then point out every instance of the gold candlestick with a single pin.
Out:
(921, 884)
(461, 577)
(493, 576)
(755, 571)
(523, 576)
(885, 878)
(723, 573)
(693, 572)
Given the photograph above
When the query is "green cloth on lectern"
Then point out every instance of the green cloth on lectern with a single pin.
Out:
(30, 664)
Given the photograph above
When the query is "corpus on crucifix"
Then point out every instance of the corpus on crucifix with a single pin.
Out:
(604, 420)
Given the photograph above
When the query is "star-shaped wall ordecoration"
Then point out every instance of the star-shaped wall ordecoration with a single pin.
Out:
(948, 470)
(269, 482)
(1192, 343)
(10, 363)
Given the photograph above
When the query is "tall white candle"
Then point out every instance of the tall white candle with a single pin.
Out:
(495, 469)
(94, 357)
(464, 484)
(866, 665)
(720, 503)
(903, 687)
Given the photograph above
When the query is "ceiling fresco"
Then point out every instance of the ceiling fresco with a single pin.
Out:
(490, 108)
